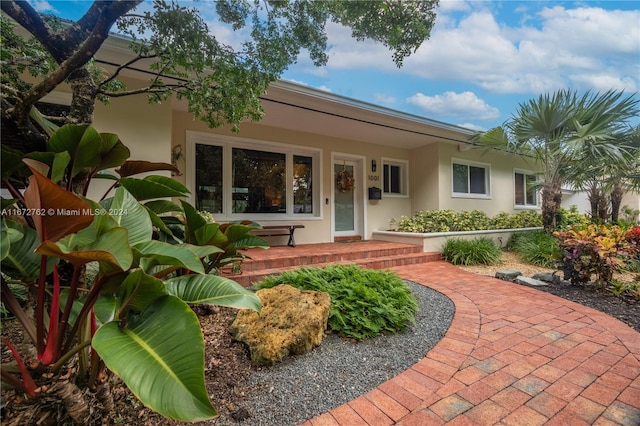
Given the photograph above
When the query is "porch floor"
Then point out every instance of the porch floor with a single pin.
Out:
(512, 356)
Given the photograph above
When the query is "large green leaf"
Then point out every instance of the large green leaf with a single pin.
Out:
(158, 253)
(163, 206)
(111, 247)
(57, 162)
(112, 152)
(80, 142)
(21, 262)
(154, 187)
(12, 163)
(193, 222)
(134, 167)
(139, 290)
(212, 290)
(131, 215)
(159, 354)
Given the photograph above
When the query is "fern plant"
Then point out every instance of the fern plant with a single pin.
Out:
(364, 303)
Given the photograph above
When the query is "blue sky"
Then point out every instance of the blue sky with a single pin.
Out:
(482, 60)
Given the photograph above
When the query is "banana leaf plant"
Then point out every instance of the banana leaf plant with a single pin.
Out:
(132, 316)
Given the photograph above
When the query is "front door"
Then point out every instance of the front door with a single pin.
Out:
(347, 206)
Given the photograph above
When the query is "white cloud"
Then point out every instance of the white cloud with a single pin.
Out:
(324, 88)
(472, 126)
(384, 99)
(550, 49)
(42, 6)
(465, 105)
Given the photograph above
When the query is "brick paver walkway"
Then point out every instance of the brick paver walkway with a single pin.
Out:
(512, 356)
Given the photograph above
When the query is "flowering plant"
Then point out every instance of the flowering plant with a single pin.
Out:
(345, 181)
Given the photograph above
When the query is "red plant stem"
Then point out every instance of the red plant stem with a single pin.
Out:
(92, 297)
(51, 352)
(40, 306)
(75, 280)
(27, 384)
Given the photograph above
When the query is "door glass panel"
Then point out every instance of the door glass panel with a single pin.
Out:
(344, 204)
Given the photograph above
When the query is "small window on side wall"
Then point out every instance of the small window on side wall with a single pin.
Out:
(470, 179)
(525, 193)
(394, 177)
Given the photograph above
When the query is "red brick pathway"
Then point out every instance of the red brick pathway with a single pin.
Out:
(512, 356)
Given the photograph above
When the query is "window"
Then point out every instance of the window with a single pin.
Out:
(470, 179)
(394, 177)
(209, 178)
(234, 177)
(525, 192)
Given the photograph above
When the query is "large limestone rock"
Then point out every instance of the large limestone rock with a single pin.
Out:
(290, 322)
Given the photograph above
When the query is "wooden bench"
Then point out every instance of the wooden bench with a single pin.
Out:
(277, 231)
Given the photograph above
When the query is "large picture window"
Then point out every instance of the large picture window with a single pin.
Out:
(470, 179)
(394, 177)
(236, 178)
(525, 192)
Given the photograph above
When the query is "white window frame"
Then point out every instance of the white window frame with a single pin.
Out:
(228, 143)
(404, 177)
(487, 179)
(525, 206)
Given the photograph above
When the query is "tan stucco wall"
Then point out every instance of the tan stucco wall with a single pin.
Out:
(145, 129)
(501, 180)
(425, 178)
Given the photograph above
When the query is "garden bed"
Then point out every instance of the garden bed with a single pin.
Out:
(434, 241)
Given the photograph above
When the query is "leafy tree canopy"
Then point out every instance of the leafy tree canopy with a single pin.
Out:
(221, 83)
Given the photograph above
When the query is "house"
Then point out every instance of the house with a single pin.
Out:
(284, 169)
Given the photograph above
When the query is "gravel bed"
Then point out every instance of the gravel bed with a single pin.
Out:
(337, 371)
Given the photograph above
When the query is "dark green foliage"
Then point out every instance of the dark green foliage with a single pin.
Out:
(479, 251)
(364, 302)
(536, 248)
(427, 221)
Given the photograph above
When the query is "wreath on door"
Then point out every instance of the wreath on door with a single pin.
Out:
(344, 180)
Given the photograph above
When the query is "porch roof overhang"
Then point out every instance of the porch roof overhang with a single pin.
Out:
(296, 107)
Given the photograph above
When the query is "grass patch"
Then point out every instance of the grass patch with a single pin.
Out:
(479, 251)
(536, 248)
(364, 302)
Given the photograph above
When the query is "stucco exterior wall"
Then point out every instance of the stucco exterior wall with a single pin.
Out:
(425, 178)
(145, 129)
(502, 198)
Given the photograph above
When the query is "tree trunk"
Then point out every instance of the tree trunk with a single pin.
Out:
(84, 92)
(551, 203)
(616, 201)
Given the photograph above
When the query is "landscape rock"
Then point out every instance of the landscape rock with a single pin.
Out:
(508, 274)
(547, 277)
(291, 322)
(529, 281)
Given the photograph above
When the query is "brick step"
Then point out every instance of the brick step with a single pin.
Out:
(294, 259)
(247, 278)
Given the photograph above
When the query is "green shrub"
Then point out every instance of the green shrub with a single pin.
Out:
(429, 221)
(479, 251)
(536, 248)
(364, 302)
(572, 217)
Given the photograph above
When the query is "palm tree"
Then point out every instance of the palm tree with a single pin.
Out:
(562, 130)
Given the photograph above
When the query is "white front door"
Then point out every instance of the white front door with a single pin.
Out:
(348, 205)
